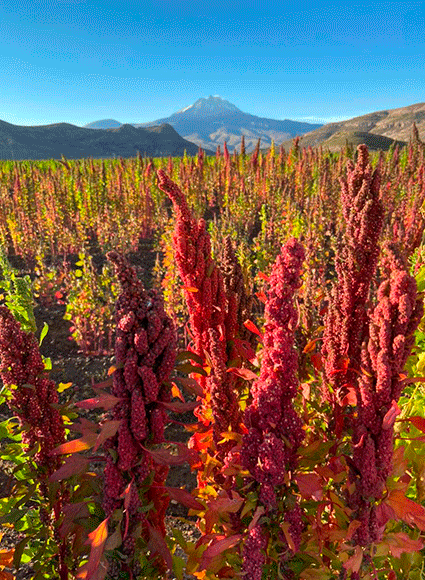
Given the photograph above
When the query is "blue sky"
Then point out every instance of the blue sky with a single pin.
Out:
(78, 61)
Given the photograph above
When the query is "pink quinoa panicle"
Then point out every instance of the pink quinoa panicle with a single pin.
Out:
(145, 351)
(213, 311)
(21, 364)
(254, 553)
(33, 400)
(393, 322)
(269, 449)
(346, 323)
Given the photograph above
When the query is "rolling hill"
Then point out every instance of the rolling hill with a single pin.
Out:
(377, 130)
(53, 141)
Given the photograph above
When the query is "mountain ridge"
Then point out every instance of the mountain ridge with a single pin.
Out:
(212, 121)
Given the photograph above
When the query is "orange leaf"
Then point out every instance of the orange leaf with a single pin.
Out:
(176, 392)
(190, 289)
(6, 557)
(311, 345)
(97, 539)
(85, 442)
(406, 509)
(285, 529)
(6, 575)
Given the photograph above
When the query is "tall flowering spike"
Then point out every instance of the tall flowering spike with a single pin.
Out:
(145, 351)
(21, 364)
(240, 302)
(226, 153)
(346, 321)
(211, 310)
(269, 449)
(393, 321)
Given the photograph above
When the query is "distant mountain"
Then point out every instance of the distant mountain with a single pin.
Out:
(211, 121)
(378, 130)
(103, 124)
(53, 141)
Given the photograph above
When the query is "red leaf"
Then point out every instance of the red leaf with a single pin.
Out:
(164, 457)
(244, 349)
(246, 374)
(390, 416)
(183, 497)
(219, 507)
(157, 544)
(108, 430)
(191, 386)
(310, 486)
(251, 326)
(263, 276)
(179, 407)
(74, 465)
(126, 496)
(316, 361)
(401, 543)
(108, 382)
(217, 548)
(71, 513)
(84, 426)
(350, 398)
(353, 564)
(105, 401)
(418, 422)
(257, 515)
(261, 296)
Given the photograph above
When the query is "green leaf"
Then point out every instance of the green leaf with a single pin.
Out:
(19, 550)
(43, 333)
(13, 516)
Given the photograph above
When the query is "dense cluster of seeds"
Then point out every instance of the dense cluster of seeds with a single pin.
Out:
(145, 351)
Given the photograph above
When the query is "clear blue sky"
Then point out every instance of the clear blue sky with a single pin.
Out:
(79, 61)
